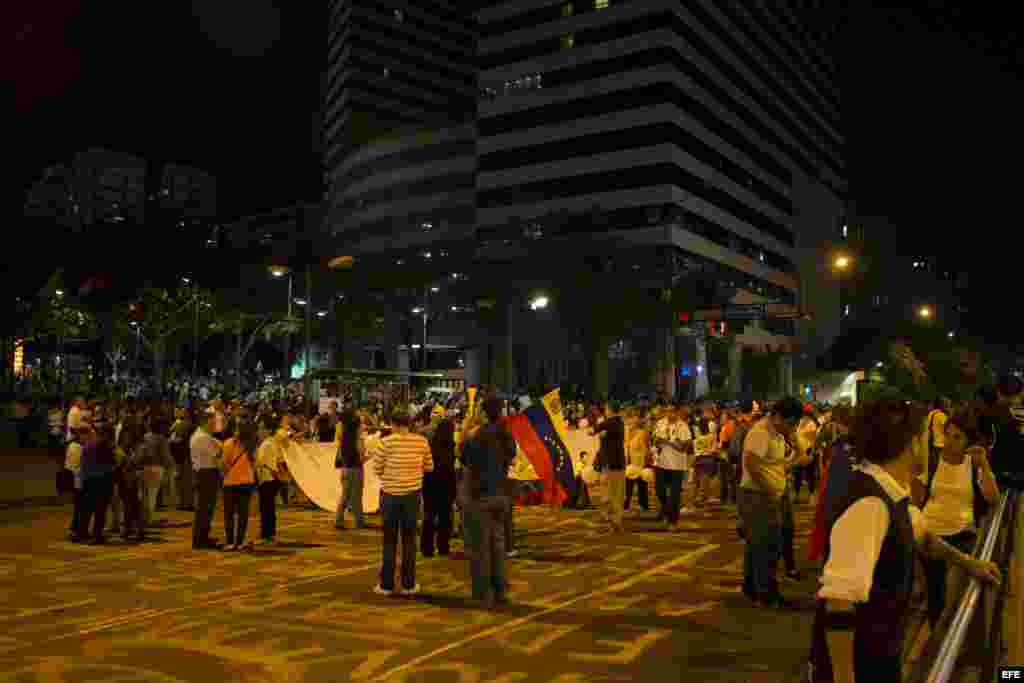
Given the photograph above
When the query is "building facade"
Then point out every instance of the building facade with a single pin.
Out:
(392, 65)
(705, 128)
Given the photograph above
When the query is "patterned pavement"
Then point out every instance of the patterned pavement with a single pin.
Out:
(586, 606)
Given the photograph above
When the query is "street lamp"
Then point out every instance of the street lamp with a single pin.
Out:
(538, 303)
(842, 262)
(925, 312)
(280, 272)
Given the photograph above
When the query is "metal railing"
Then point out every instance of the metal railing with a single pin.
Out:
(949, 651)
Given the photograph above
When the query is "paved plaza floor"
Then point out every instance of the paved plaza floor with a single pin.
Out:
(587, 606)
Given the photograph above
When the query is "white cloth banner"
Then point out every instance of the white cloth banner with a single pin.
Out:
(311, 465)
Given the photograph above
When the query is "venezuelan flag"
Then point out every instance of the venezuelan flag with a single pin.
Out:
(561, 463)
(537, 453)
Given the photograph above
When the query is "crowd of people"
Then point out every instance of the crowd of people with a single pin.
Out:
(888, 479)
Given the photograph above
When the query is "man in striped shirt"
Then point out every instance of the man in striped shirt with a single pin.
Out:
(400, 463)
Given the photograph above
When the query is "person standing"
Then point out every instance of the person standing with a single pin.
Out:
(207, 459)
(403, 459)
(612, 459)
(350, 460)
(673, 439)
(129, 484)
(439, 492)
(152, 457)
(239, 483)
(73, 463)
(97, 469)
(951, 499)
(181, 432)
(639, 454)
(487, 454)
(761, 499)
(270, 466)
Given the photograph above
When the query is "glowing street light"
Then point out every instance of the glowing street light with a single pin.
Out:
(60, 292)
(321, 314)
(842, 262)
(539, 303)
(279, 271)
(925, 312)
(951, 335)
(417, 310)
(300, 302)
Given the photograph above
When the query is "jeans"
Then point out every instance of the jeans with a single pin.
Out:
(152, 479)
(641, 486)
(400, 514)
(236, 512)
(168, 486)
(762, 521)
(268, 491)
(673, 491)
(351, 496)
(727, 482)
(132, 503)
(207, 484)
(438, 496)
(96, 493)
(661, 491)
(936, 572)
(788, 531)
(616, 482)
(485, 546)
(185, 487)
(76, 515)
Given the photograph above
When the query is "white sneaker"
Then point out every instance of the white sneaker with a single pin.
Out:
(379, 590)
(412, 591)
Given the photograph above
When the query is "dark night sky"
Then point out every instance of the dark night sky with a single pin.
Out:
(233, 86)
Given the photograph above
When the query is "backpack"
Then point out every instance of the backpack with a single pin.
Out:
(981, 506)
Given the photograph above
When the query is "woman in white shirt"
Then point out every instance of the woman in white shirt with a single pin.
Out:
(961, 473)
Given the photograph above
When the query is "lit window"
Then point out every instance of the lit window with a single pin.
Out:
(600, 4)
(845, 232)
(399, 17)
(567, 9)
(761, 257)
(846, 309)
(568, 40)
(387, 72)
(427, 225)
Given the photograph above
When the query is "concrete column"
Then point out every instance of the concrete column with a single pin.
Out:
(501, 368)
(403, 358)
(665, 366)
(703, 386)
(735, 368)
(474, 365)
(786, 375)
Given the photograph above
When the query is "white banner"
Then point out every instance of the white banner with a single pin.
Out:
(311, 465)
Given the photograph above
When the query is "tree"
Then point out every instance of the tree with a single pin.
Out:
(245, 328)
(160, 314)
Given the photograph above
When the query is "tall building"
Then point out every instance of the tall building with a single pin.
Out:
(395, 64)
(705, 129)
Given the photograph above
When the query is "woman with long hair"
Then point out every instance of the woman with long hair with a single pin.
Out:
(869, 569)
(351, 456)
(439, 492)
(239, 483)
(951, 499)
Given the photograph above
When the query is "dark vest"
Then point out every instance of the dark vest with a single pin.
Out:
(880, 622)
